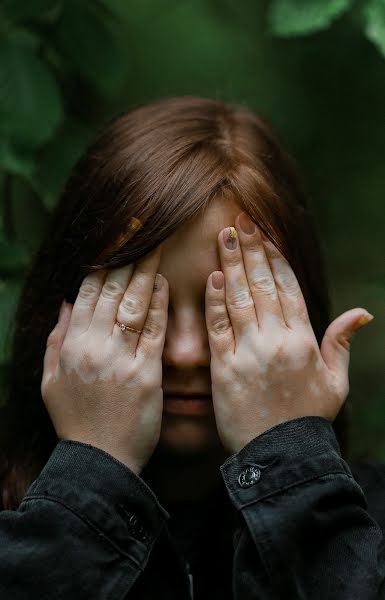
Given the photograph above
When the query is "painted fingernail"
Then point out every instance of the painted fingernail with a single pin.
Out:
(247, 225)
(230, 238)
(217, 280)
(363, 320)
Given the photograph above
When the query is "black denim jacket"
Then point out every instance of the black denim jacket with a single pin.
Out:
(291, 519)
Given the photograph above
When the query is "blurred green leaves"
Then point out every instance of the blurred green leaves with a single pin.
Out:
(303, 17)
(298, 17)
(49, 50)
(375, 23)
(87, 35)
(31, 106)
(59, 59)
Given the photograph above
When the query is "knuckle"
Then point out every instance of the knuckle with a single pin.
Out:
(52, 339)
(263, 283)
(131, 304)
(112, 289)
(287, 282)
(147, 383)
(66, 354)
(88, 290)
(304, 351)
(88, 363)
(219, 325)
(241, 299)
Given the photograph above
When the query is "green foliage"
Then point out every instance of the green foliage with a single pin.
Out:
(375, 23)
(297, 17)
(30, 101)
(314, 68)
(87, 36)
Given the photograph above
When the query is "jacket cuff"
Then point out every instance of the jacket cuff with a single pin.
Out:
(105, 493)
(285, 455)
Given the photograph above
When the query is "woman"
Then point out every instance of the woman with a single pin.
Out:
(110, 487)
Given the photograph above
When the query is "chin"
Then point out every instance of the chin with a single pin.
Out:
(186, 436)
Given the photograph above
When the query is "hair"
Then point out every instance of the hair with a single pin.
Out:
(162, 163)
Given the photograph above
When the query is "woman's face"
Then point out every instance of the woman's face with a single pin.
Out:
(188, 258)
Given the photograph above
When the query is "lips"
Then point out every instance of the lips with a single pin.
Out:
(196, 396)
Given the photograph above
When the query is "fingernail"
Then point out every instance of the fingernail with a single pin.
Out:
(230, 238)
(217, 280)
(247, 225)
(363, 320)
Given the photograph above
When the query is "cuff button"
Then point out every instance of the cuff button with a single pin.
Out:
(249, 476)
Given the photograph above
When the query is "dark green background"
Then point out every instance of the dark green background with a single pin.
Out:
(315, 69)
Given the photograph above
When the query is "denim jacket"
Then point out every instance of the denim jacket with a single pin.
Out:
(290, 520)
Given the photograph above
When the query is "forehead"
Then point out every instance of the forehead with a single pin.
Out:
(191, 253)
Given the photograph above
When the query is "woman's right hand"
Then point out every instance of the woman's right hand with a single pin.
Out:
(103, 386)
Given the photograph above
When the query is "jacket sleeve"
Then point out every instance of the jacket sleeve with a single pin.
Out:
(85, 528)
(304, 528)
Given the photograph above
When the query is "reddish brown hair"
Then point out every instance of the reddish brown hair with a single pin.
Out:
(161, 163)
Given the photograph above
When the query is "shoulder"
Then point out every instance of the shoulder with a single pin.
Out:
(370, 475)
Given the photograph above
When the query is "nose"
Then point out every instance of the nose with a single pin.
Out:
(186, 344)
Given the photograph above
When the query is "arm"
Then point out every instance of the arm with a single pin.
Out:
(304, 527)
(85, 528)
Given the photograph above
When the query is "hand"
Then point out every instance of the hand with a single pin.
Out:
(266, 365)
(101, 385)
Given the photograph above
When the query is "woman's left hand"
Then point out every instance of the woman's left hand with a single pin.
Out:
(266, 365)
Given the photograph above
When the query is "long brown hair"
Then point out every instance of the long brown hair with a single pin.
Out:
(161, 163)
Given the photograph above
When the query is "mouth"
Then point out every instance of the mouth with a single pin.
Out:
(192, 396)
(197, 404)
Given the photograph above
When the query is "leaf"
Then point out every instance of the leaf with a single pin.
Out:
(299, 17)
(58, 157)
(30, 101)
(88, 35)
(374, 28)
(9, 294)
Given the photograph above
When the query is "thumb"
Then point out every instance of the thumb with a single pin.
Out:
(335, 346)
(55, 341)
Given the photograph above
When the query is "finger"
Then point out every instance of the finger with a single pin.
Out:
(85, 302)
(128, 303)
(152, 339)
(55, 342)
(110, 297)
(260, 277)
(239, 302)
(219, 327)
(292, 301)
(336, 343)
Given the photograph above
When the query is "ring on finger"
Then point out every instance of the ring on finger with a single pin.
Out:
(122, 327)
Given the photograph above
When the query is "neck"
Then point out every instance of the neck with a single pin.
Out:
(184, 478)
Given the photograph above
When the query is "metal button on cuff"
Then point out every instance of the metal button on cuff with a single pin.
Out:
(249, 477)
(134, 524)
